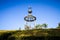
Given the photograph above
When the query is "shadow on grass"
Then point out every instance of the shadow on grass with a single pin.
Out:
(5, 36)
(40, 38)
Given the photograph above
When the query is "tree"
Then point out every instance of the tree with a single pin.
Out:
(58, 25)
(44, 25)
(27, 27)
(19, 28)
(38, 26)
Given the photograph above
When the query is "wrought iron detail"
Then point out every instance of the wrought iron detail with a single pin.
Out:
(30, 17)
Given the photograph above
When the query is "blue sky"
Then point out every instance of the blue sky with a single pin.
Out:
(12, 13)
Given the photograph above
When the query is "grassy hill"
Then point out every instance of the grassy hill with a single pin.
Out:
(42, 34)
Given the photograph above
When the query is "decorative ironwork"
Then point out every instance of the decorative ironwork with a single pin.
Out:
(30, 17)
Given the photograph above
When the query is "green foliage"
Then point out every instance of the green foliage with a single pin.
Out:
(44, 25)
(27, 27)
(58, 26)
(38, 26)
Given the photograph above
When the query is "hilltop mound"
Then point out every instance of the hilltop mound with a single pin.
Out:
(42, 34)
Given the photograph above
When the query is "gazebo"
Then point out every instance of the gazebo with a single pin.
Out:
(29, 18)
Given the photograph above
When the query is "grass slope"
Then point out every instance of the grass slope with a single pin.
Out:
(29, 34)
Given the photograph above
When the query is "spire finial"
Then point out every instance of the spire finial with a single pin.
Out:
(29, 9)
